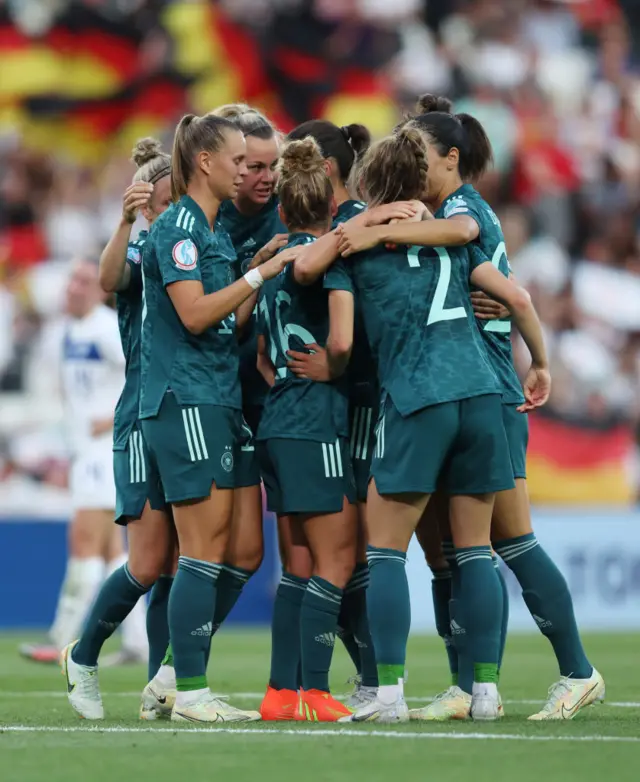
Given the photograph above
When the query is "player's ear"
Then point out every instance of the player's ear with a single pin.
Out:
(328, 167)
(453, 158)
(204, 161)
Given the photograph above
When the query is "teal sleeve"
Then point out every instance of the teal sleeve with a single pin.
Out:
(134, 258)
(476, 257)
(338, 277)
(178, 256)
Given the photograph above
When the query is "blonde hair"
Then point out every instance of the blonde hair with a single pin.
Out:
(194, 134)
(152, 163)
(304, 187)
(247, 119)
(395, 168)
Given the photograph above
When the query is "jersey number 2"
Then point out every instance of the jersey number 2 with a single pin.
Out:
(438, 311)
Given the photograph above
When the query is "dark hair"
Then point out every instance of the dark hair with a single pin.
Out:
(304, 188)
(344, 144)
(247, 119)
(462, 131)
(194, 134)
(395, 168)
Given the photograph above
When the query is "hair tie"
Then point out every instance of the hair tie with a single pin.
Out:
(163, 172)
(345, 132)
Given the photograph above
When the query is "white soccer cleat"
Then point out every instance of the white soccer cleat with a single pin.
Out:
(376, 711)
(361, 695)
(209, 708)
(569, 696)
(83, 690)
(157, 701)
(486, 705)
(452, 704)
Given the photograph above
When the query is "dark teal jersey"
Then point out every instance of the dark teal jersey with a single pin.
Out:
(198, 369)
(249, 234)
(361, 373)
(347, 210)
(497, 333)
(129, 308)
(421, 327)
(292, 316)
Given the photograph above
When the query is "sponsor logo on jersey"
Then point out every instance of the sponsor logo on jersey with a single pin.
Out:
(456, 206)
(227, 460)
(185, 255)
(133, 254)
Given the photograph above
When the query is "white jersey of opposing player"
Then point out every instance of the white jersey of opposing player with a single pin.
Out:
(92, 376)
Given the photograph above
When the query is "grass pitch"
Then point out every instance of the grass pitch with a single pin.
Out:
(41, 739)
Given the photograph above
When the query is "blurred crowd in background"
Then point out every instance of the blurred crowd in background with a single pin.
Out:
(556, 83)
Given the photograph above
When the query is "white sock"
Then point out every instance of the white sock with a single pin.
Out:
(82, 581)
(134, 627)
(190, 697)
(388, 694)
(485, 690)
(166, 676)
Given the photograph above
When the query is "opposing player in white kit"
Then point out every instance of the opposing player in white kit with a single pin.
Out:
(92, 379)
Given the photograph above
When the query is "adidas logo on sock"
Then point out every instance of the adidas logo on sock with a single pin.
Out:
(204, 630)
(456, 629)
(360, 644)
(110, 626)
(328, 639)
(542, 623)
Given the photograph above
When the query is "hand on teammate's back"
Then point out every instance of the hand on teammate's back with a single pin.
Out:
(387, 213)
(310, 366)
(135, 197)
(269, 250)
(536, 388)
(485, 308)
(275, 265)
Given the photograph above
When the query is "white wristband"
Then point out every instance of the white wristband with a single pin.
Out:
(254, 278)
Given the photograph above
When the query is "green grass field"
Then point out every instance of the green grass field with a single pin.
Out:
(41, 738)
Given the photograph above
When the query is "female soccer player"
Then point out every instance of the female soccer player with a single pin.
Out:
(190, 400)
(440, 425)
(149, 531)
(303, 443)
(467, 217)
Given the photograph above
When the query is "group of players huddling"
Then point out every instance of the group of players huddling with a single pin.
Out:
(354, 356)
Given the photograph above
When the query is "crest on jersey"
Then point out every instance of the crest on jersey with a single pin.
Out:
(133, 254)
(185, 255)
(227, 461)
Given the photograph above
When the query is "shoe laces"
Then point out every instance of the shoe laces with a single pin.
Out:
(88, 685)
(356, 681)
(556, 692)
(441, 696)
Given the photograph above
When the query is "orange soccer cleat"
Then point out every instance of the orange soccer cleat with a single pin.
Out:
(320, 706)
(278, 705)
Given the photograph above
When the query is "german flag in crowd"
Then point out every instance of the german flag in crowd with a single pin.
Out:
(91, 84)
(570, 464)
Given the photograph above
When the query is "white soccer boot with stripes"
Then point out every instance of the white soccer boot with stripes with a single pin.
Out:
(207, 708)
(361, 695)
(569, 696)
(157, 701)
(379, 711)
(83, 690)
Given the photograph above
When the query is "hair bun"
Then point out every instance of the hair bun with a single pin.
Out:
(145, 150)
(358, 136)
(429, 103)
(302, 157)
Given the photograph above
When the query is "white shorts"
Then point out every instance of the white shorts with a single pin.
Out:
(91, 479)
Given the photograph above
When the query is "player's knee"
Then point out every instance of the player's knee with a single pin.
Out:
(85, 540)
(147, 567)
(249, 557)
